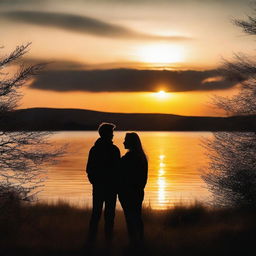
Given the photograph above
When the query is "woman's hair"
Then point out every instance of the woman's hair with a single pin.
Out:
(134, 143)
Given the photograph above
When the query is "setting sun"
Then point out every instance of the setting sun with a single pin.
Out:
(161, 94)
(161, 53)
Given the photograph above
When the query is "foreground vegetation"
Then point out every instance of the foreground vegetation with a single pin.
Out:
(60, 229)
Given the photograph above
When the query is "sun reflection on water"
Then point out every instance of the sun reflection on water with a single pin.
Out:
(161, 172)
(161, 182)
(161, 157)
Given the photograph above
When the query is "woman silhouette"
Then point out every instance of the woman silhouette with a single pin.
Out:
(134, 170)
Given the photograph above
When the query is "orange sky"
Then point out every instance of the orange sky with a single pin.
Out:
(143, 34)
(196, 103)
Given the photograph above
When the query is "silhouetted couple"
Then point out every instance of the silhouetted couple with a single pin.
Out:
(112, 176)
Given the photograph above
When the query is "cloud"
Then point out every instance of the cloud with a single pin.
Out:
(22, 2)
(82, 24)
(55, 64)
(129, 80)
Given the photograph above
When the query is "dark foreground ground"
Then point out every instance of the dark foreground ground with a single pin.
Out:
(47, 230)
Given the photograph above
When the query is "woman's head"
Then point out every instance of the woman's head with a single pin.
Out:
(132, 142)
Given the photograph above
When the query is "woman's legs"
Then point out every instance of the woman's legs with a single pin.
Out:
(132, 206)
(139, 225)
(125, 199)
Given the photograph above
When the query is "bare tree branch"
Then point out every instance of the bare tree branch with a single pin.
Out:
(231, 176)
(23, 155)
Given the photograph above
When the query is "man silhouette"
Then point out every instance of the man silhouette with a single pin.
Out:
(102, 173)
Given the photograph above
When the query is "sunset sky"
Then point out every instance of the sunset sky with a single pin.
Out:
(116, 55)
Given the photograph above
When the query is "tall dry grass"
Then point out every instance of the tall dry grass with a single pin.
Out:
(47, 229)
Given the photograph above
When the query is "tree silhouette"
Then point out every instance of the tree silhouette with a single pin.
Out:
(23, 154)
(232, 170)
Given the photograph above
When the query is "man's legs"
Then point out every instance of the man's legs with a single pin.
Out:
(96, 212)
(109, 214)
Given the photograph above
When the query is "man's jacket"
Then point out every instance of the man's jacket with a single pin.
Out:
(103, 162)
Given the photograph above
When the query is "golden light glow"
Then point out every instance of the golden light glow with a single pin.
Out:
(162, 157)
(144, 102)
(161, 95)
(161, 172)
(161, 53)
(161, 181)
(162, 165)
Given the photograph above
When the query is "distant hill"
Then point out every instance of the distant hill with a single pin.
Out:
(79, 119)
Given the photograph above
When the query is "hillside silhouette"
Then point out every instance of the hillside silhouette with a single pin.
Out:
(78, 119)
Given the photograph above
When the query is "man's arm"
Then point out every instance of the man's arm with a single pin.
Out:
(117, 158)
(90, 167)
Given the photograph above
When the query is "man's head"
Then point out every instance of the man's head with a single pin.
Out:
(106, 130)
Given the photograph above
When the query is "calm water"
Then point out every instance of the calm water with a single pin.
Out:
(176, 161)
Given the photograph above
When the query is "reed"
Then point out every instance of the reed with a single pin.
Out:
(60, 229)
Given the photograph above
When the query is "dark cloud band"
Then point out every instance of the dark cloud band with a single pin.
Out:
(82, 24)
(22, 2)
(130, 80)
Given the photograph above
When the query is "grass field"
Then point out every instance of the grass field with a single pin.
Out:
(42, 229)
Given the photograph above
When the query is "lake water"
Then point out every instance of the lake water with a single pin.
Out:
(176, 162)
